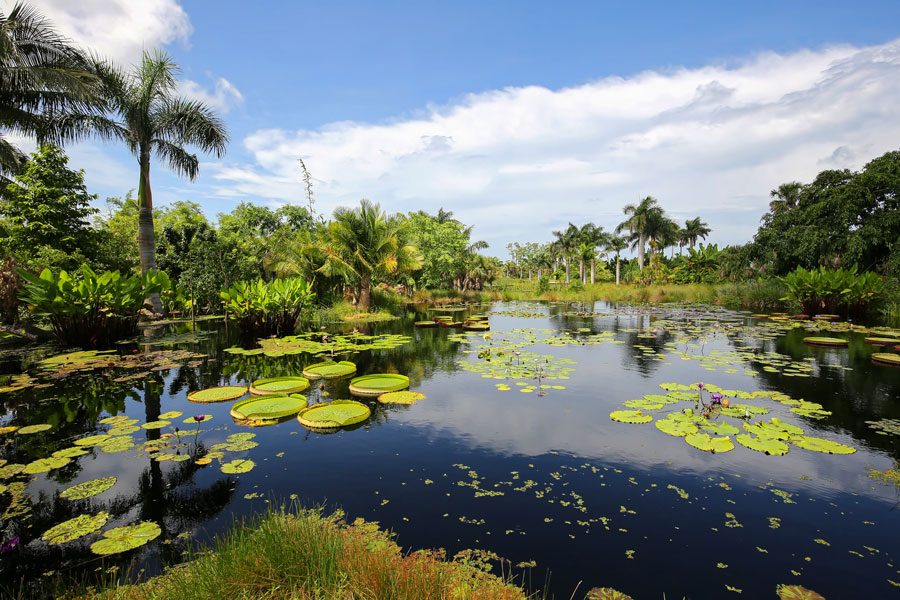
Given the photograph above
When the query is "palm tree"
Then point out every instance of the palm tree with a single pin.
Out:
(566, 242)
(364, 243)
(616, 243)
(694, 229)
(640, 215)
(47, 89)
(154, 121)
(787, 196)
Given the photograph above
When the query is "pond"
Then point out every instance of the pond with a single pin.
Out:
(512, 449)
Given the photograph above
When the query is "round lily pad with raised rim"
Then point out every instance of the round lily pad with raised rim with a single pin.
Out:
(404, 397)
(279, 385)
(425, 324)
(886, 358)
(881, 341)
(826, 341)
(329, 369)
(378, 384)
(269, 406)
(339, 413)
(476, 327)
(218, 394)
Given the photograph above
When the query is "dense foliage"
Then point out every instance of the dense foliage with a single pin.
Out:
(839, 291)
(268, 308)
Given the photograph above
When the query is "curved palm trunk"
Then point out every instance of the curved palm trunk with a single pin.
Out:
(641, 241)
(146, 237)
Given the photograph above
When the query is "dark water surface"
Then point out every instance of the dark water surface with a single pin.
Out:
(549, 478)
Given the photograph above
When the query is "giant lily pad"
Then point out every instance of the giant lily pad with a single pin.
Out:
(330, 369)
(279, 385)
(88, 488)
(630, 416)
(405, 397)
(378, 383)
(73, 529)
(270, 406)
(821, 445)
(881, 358)
(218, 394)
(826, 341)
(126, 538)
(881, 341)
(704, 441)
(765, 445)
(340, 413)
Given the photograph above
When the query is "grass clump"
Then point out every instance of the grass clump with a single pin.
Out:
(303, 554)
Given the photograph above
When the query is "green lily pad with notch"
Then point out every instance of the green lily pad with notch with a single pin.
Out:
(88, 488)
(340, 413)
(821, 445)
(279, 385)
(766, 445)
(643, 404)
(115, 420)
(155, 424)
(73, 529)
(126, 430)
(661, 399)
(71, 452)
(269, 406)
(172, 414)
(719, 428)
(122, 539)
(238, 466)
(378, 383)
(243, 436)
(330, 369)
(739, 410)
(686, 396)
(42, 465)
(707, 443)
(218, 394)
(630, 416)
(29, 429)
(678, 428)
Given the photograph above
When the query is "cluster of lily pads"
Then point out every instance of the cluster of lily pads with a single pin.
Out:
(705, 427)
(323, 343)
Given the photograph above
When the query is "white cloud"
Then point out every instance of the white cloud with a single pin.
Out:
(222, 99)
(519, 162)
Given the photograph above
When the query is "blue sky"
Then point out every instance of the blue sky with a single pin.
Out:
(519, 116)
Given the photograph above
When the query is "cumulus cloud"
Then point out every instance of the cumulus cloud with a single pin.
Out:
(519, 162)
(224, 96)
(119, 29)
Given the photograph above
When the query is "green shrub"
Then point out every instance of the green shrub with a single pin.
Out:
(842, 291)
(93, 311)
(268, 308)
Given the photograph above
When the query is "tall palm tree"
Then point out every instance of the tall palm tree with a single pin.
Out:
(640, 215)
(786, 197)
(694, 229)
(566, 242)
(47, 89)
(616, 243)
(363, 243)
(154, 121)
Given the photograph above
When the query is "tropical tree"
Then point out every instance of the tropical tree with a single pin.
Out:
(565, 244)
(616, 243)
(47, 89)
(153, 121)
(694, 229)
(786, 197)
(364, 243)
(640, 217)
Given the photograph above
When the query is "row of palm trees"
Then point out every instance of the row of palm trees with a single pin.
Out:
(55, 92)
(646, 227)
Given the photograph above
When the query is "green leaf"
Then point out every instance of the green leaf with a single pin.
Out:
(88, 488)
(703, 441)
(42, 465)
(630, 416)
(765, 445)
(238, 466)
(797, 592)
(821, 445)
(73, 529)
(126, 538)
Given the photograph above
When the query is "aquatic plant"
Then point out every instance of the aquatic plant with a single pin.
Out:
(218, 394)
(340, 413)
(268, 407)
(832, 291)
(279, 385)
(90, 311)
(122, 539)
(268, 309)
(329, 369)
(404, 397)
(376, 384)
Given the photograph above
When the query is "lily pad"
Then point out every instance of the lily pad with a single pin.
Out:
(238, 466)
(720, 428)
(88, 488)
(126, 538)
(405, 397)
(193, 420)
(279, 385)
(797, 592)
(218, 394)
(826, 341)
(172, 414)
(339, 413)
(70, 452)
(28, 429)
(270, 406)
(126, 430)
(11, 470)
(378, 383)
(73, 529)
(331, 369)
(881, 358)
(704, 441)
(42, 465)
(425, 324)
(630, 416)
(821, 445)
(155, 424)
(643, 404)
(676, 427)
(765, 445)
(93, 440)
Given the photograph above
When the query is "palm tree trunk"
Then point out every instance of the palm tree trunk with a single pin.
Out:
(365, 293)
(581, 270)
(641, 241)
(592, 271)
(146, 236)
(617, 270)
(567, 270)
